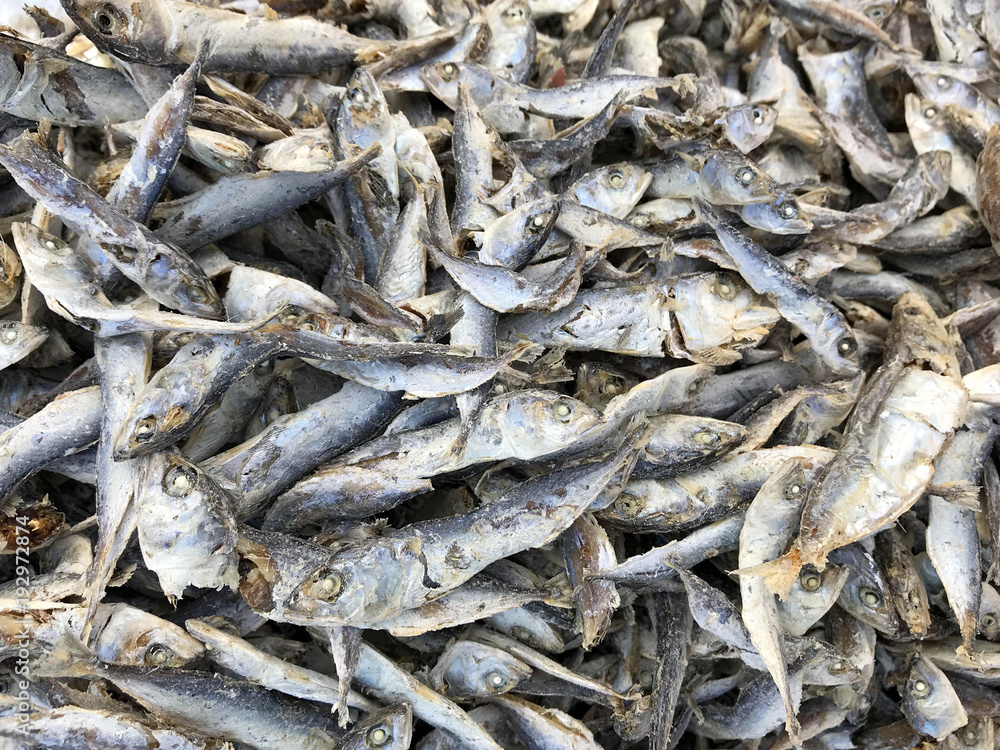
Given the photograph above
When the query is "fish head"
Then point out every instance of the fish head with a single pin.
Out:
(925, 121)
(389, 728)
(190, 290)
(749, 125)
(160, 416)
(783, 215)
(444, 79)
(186, 528)
(718, 310)
(597, 384)
(865, 594)
(362, 114)
(134, 31)
(518, 235)
(827, 665)
(133, 637)
(18, 339)
(929, 701)
(729, 178)
(357, 585)
(534, 423)
(474, 670)
(811, 596)
(690, 439)
(614, 189)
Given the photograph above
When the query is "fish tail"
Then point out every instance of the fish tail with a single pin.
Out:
(779, 575)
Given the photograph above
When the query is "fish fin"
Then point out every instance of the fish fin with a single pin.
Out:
(716, 356)
(779, 575)
(962, 494)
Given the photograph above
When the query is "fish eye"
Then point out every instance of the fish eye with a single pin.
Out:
(616, 179)
(870, 597)
(757, 116)
(495, 681)
(273, 414)
(196, 294)
(179, 481)
(839, 667)
(746, 176)
(156, 655)
(988, 621)
(449, 71)
(942, 82)
(145, 428)
(513, 15)
(537, 223)
(921, 688)
(628, 505)
(787, 211)
(930, 113)
(563, 411)
(378, 736)
(726, 290)
(108, 20)
(706, 437)
(358, 96)
(847, 346)
(970, 736)
(810, 581)
(10, 335)
(329, 587)
(875, 13)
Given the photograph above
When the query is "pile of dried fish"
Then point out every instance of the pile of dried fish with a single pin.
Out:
(539, 375)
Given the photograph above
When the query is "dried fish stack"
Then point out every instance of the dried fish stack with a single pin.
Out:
(533, 375)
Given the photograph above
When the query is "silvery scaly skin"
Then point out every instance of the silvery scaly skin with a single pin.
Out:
(263, 466)
(825, 327)
(166, 32)
(83, 95)
(71, 289)
(203, 370)
(477, 599)
(658, 567)
(18, 340)
(690, 500)
(360, 120)
(952, 538)
(917, 393)
(71, 422)
(520, 425)
(163, 271)
(417, 564)
(234, 710)
(158, 146)
(729, 316)
(768, 525)
(238, 202)
(240, 657)
(70, 726)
